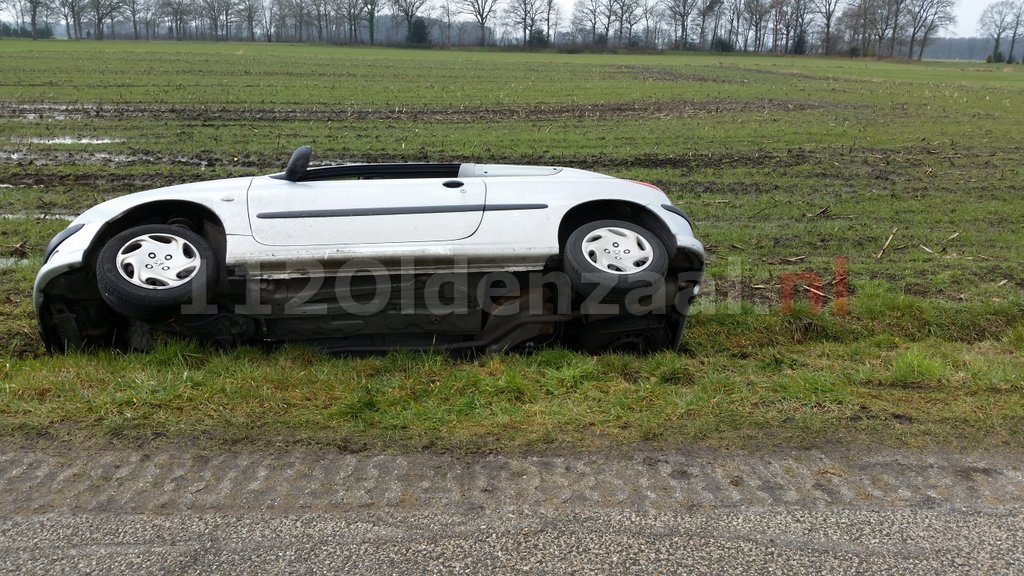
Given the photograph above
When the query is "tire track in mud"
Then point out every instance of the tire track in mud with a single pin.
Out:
(68, 478)
(660, 109)
(270, 163)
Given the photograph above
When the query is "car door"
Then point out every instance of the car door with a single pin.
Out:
(338, 212)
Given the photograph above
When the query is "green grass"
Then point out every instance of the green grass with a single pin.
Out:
(796, 379)
(784, 163)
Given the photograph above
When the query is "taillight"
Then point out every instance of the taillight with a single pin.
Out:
(648, 185)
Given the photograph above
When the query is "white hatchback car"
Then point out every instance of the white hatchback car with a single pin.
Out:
(372, 257)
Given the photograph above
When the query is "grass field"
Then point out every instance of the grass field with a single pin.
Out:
(784, 163)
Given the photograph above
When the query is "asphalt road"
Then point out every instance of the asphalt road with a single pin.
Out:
(178, 510)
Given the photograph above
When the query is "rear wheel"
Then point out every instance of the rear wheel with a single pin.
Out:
(616, 255)
(625, 335)
(150, 272)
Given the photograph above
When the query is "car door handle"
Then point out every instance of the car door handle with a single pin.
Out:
(453, 184)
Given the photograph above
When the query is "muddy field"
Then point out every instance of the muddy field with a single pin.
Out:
(62, 112)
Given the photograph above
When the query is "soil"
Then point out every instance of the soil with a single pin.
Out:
(204, 113)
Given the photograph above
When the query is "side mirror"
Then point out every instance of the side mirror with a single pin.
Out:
(298, 163)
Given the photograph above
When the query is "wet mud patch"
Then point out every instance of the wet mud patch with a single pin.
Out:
(65, 140)
(544, 112)
(64, 217)
(273, 163)
(654, 74)
(60, 157)
(226, 165)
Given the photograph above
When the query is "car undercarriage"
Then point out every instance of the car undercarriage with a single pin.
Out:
(472, 312)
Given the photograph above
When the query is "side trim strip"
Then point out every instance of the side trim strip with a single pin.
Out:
(396, 211)
(502, 207)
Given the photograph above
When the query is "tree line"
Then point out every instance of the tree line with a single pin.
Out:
(1000, 20)
(876, 28)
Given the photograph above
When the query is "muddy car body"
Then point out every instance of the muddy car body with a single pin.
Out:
(378, 256)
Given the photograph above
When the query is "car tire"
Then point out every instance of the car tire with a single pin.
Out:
(598, 255)
(149, 272)
(630, 335)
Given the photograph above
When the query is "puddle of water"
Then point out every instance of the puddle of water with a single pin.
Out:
(15, 216)
(43, 158)
(32, 116)
(66, 140)
(50, 111)
(12, 262)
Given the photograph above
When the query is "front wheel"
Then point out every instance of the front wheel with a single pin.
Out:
(150, 272)
(616, 255)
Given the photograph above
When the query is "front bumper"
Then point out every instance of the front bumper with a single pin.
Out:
(65, 256)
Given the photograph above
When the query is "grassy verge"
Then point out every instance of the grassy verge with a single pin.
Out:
(897, 371)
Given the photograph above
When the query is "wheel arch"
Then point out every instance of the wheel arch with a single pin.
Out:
(616, 210)
(197, 217)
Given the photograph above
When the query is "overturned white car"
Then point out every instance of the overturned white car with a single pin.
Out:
(373, 257)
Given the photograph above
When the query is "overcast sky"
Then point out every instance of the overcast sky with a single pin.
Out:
(967, 14)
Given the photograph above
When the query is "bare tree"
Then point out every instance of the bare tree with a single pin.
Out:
(270, 10)
(735, 9)
(626, 14)
(649, 18)
(71, 12)
(101, 10)
(858, 22)
(250, 12)
(178, 12)
(214, 12)
(827, 9)
(523, 15)
(1018, 20)
(407, 11)
(705, 11)
(321, 10)
(17, 11)
(882, 23)
(606, 19)
(550, 10)
(447, 12)
(293, 20)
(372, 8)
(352, 13)
(134, 9)
(716, 24)
(585, 17)
(148, 16)
(756, 14)
(653, 20)
(924, 18)
(897, 9)
(780, 19)
(996, 20)
(36, 8)
(481, 11)
(679, 11)
(943, 18)
(797, 24)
